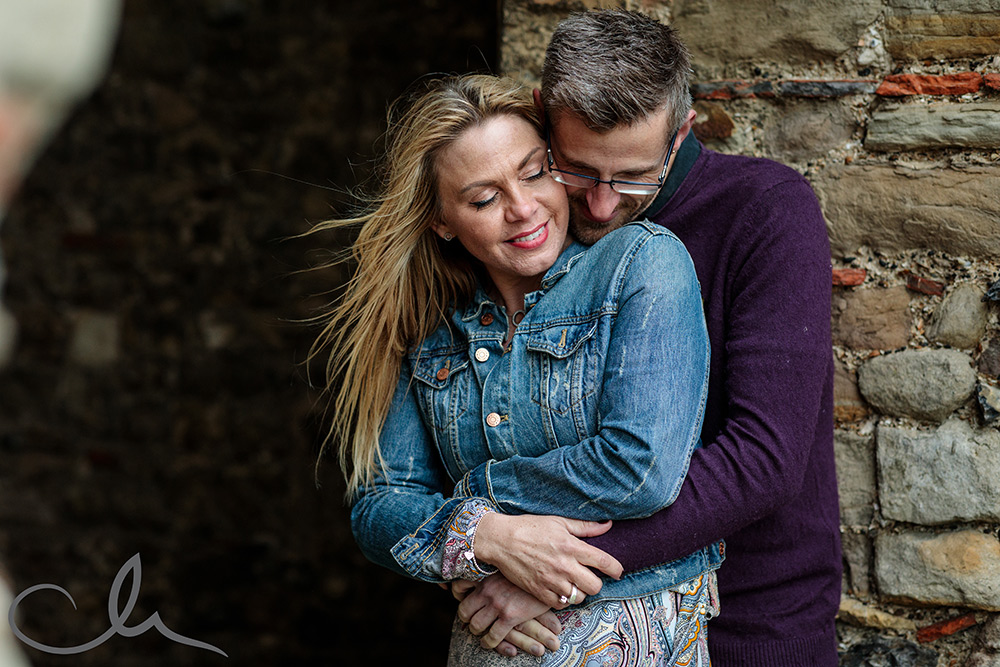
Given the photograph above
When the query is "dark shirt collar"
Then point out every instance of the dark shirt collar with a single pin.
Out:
(687, 154)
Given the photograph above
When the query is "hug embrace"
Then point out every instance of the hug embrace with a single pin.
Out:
(582, 373)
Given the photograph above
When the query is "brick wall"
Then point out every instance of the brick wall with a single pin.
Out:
(890, 108)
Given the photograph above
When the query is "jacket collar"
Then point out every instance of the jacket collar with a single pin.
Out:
(567, 258)
(481, 301)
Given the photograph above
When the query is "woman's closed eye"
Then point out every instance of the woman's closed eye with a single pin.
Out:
(541, 174)
(530, 178)
(483, 203)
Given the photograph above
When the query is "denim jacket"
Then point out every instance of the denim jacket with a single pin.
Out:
(592, 412)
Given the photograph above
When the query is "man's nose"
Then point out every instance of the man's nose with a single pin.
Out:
(602, 202)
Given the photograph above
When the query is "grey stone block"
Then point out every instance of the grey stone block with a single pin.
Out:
(899, 208)
(959, 568)
(941, 125)
(949, 474)
(923, 384)
(960, 320)
(794, 32)
(857, 550)
(855, 455)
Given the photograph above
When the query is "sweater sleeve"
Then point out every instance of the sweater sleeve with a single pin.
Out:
(777, 350)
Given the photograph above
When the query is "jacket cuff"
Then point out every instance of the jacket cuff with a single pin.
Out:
(476, 484)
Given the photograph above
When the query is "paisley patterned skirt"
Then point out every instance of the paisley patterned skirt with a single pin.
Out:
(665, 629)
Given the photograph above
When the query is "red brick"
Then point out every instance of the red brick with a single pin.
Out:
(849, 277)
(898, 85)
(715, 94)
(945, 628)
(713, 122)
(848, 404)
(992, 81)
(923, 285)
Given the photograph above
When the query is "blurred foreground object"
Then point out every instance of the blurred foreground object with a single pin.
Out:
(52, 54)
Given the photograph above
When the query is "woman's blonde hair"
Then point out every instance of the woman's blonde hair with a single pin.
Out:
(407, 279)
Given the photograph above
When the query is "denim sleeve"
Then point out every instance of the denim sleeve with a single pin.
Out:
(402, 520)
(651, 405)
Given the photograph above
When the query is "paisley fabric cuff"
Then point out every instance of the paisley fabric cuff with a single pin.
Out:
(459, 561)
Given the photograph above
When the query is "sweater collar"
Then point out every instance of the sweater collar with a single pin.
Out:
(686, 156)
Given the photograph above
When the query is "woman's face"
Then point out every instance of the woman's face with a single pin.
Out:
(498, 200)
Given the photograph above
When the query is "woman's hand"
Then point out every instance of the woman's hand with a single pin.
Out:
(544, 555)
(505, 617)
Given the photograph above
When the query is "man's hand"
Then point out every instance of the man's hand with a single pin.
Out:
(506, 617)
(544, 555)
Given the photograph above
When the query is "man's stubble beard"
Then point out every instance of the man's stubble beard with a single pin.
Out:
(588, 232)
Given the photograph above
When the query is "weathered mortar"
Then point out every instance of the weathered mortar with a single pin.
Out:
(889, 108)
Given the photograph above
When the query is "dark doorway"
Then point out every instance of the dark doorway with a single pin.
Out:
(157, 227)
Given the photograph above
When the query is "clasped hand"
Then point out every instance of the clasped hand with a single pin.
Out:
(542, 559)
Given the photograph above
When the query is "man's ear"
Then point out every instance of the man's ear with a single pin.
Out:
(686, 126)
(537, 94)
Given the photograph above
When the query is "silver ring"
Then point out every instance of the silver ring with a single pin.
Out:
(572, 595)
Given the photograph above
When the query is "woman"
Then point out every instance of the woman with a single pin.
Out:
(492, 370)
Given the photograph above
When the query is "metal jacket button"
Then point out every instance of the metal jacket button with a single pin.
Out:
(492, 419)
(442, 374)
(486, 320)
(482, 354)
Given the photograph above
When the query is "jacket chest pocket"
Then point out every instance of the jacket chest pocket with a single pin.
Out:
(564, 367)
(442, 387)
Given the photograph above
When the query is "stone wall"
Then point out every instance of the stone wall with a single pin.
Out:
(890, 108)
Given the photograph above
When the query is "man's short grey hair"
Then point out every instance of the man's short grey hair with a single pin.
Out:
(613, 68)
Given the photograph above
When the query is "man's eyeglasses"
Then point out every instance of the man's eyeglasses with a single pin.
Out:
(575, 180)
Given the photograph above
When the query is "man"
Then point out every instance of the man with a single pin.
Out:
(615, 94)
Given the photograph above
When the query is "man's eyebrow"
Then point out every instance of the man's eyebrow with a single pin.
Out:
(522, 165)
(564, 160)
(637, 172)
(569, 162)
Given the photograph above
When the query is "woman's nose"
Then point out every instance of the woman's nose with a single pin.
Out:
(521, 206)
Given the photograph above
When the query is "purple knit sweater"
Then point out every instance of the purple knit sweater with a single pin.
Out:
(764, 479)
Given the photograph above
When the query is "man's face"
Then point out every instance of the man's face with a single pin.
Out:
(628, 153)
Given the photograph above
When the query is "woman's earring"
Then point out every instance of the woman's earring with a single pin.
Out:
(448, 236)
